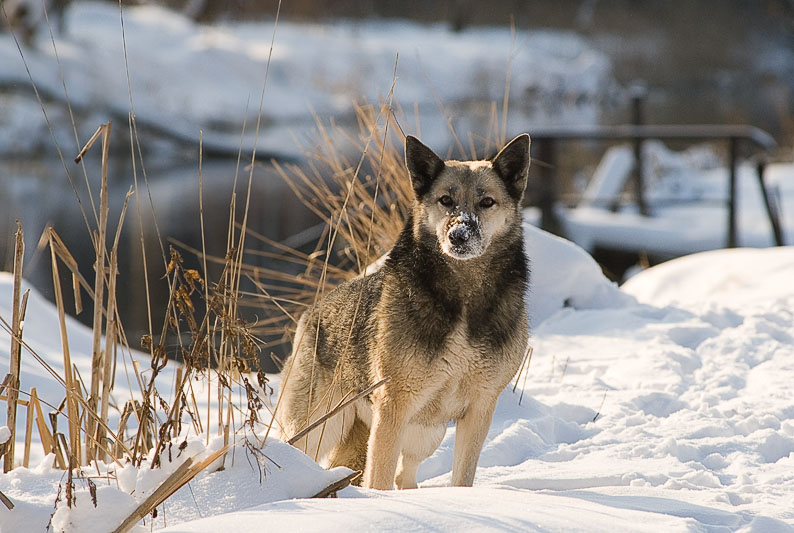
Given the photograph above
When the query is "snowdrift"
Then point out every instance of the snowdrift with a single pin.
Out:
(672, 414)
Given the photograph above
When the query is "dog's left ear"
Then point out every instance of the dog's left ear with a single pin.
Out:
(512, 165)
(424, 166)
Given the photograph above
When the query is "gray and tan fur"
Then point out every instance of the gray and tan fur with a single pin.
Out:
(444, 318)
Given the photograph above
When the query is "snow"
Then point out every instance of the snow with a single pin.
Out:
(564, 275)
(435, 509)
(187, 77)
(282, 473)
(689, 280)
(662, 405)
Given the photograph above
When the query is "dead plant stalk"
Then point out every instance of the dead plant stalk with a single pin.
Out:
(16, 347)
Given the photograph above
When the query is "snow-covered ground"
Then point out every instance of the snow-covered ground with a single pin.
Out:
(664, 405)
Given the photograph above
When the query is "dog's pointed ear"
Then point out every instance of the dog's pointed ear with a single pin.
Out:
(423, 165)
(512, 165)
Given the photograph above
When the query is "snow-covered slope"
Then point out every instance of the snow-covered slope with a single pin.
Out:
(673, 414)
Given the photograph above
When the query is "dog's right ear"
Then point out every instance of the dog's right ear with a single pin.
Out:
(423, 165)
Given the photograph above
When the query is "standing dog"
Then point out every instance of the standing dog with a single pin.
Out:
(444, 318)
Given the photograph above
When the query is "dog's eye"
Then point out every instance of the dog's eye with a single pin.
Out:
(487, 202)
(446, 200)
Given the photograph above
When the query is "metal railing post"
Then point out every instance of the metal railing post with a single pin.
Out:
(638, 119)
(733, 157)
(771, 209)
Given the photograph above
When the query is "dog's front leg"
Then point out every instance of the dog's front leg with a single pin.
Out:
(470, 434)
(383, 448)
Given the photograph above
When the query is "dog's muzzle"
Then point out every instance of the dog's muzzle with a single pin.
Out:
(459, 234)
(463, 236)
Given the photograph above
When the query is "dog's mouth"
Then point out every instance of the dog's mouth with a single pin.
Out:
(463, 238)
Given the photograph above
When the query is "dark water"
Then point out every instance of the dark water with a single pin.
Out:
(39, 194)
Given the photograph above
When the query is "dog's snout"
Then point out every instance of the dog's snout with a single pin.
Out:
(460, 234)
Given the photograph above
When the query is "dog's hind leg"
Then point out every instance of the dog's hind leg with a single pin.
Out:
(296, 413)
(419, 443)
(307, 393)
(352, 451)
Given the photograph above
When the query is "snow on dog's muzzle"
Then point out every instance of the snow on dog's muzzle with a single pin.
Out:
(463, 238)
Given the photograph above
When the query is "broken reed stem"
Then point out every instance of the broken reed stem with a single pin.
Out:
(110, 349)
(47, 441)
(182, 475)
(6, 501)
(97, 364)
(206, 276)
(520, 369)
(333, 488)
(600, 406)
(526, 373)
(29, 429)
(71, 403)
(16, 347)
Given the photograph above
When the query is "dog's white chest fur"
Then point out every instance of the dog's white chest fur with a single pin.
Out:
(450, 377)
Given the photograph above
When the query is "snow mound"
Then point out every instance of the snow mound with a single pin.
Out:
(732, 278)
(277, 472)
(443, 509)
(564, 275)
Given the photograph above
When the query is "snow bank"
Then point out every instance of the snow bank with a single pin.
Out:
(730, 278)
(280, 472)
(564, 275)
(435, 509)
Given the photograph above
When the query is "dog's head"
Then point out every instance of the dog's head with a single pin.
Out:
(467, 203)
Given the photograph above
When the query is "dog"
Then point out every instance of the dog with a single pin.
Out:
(444, 318)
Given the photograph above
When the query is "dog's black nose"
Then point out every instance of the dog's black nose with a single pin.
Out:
(459, 234)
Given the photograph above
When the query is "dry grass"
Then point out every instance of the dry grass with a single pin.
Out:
(216, 341)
